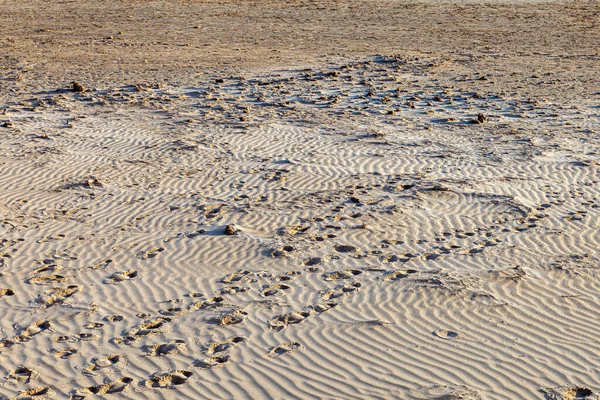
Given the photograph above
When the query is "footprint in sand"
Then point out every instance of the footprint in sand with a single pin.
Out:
(52, 268)
(153, 327)
(345, 274)
(122, 276)
(213, 302)
(313, 261)
(152, 253)
(212, 362)
(61, 339)
(213, 210)
(398, 274)
(6, 344)
(115, 386)
(232, 290)
(61, 255)
(283, 251)
(64, 353)
(389, 258)
(218, 347)
(47, 280)
(340, 291)
(570, 392)
(22, 375)
(285, 348)
(33, 329)
(85, 337)
(345, 249)
(82, 337)
(58, 295)
(163, 349)
(101, 264)
(274, 290)
(126, 340)
(233, 317)
(237, 276)
(174, 311)
(99, 363)
(321, 307)
(113, 318)
(51, 238)
(288, 276)
(313, 269)
(94, 325)
(446, 334)
(293, 230)
(168, 379)
(281, 321)
(42, 392)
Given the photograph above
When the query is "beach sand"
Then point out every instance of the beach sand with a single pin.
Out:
(299, 200)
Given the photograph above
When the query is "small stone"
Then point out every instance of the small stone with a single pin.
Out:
(92, 182)
(481, 119)
(78, 87)
(230, 230)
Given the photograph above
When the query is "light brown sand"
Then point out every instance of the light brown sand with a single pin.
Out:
(339, 200)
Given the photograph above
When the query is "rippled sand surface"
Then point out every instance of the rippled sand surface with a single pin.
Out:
(337, 200)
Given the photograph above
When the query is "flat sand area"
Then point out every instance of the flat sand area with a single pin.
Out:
(299, 200)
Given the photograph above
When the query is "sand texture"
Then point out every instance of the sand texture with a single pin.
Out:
(398, 220)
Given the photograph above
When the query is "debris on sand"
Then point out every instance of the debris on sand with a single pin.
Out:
(481, 119)
(231, 230)
(78, 87)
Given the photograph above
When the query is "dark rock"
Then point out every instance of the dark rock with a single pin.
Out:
(481, 119)
(78, 87)
(231, 230)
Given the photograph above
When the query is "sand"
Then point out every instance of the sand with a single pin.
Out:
(264, 200)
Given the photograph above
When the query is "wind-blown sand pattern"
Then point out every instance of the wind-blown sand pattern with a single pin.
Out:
(369, 226)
